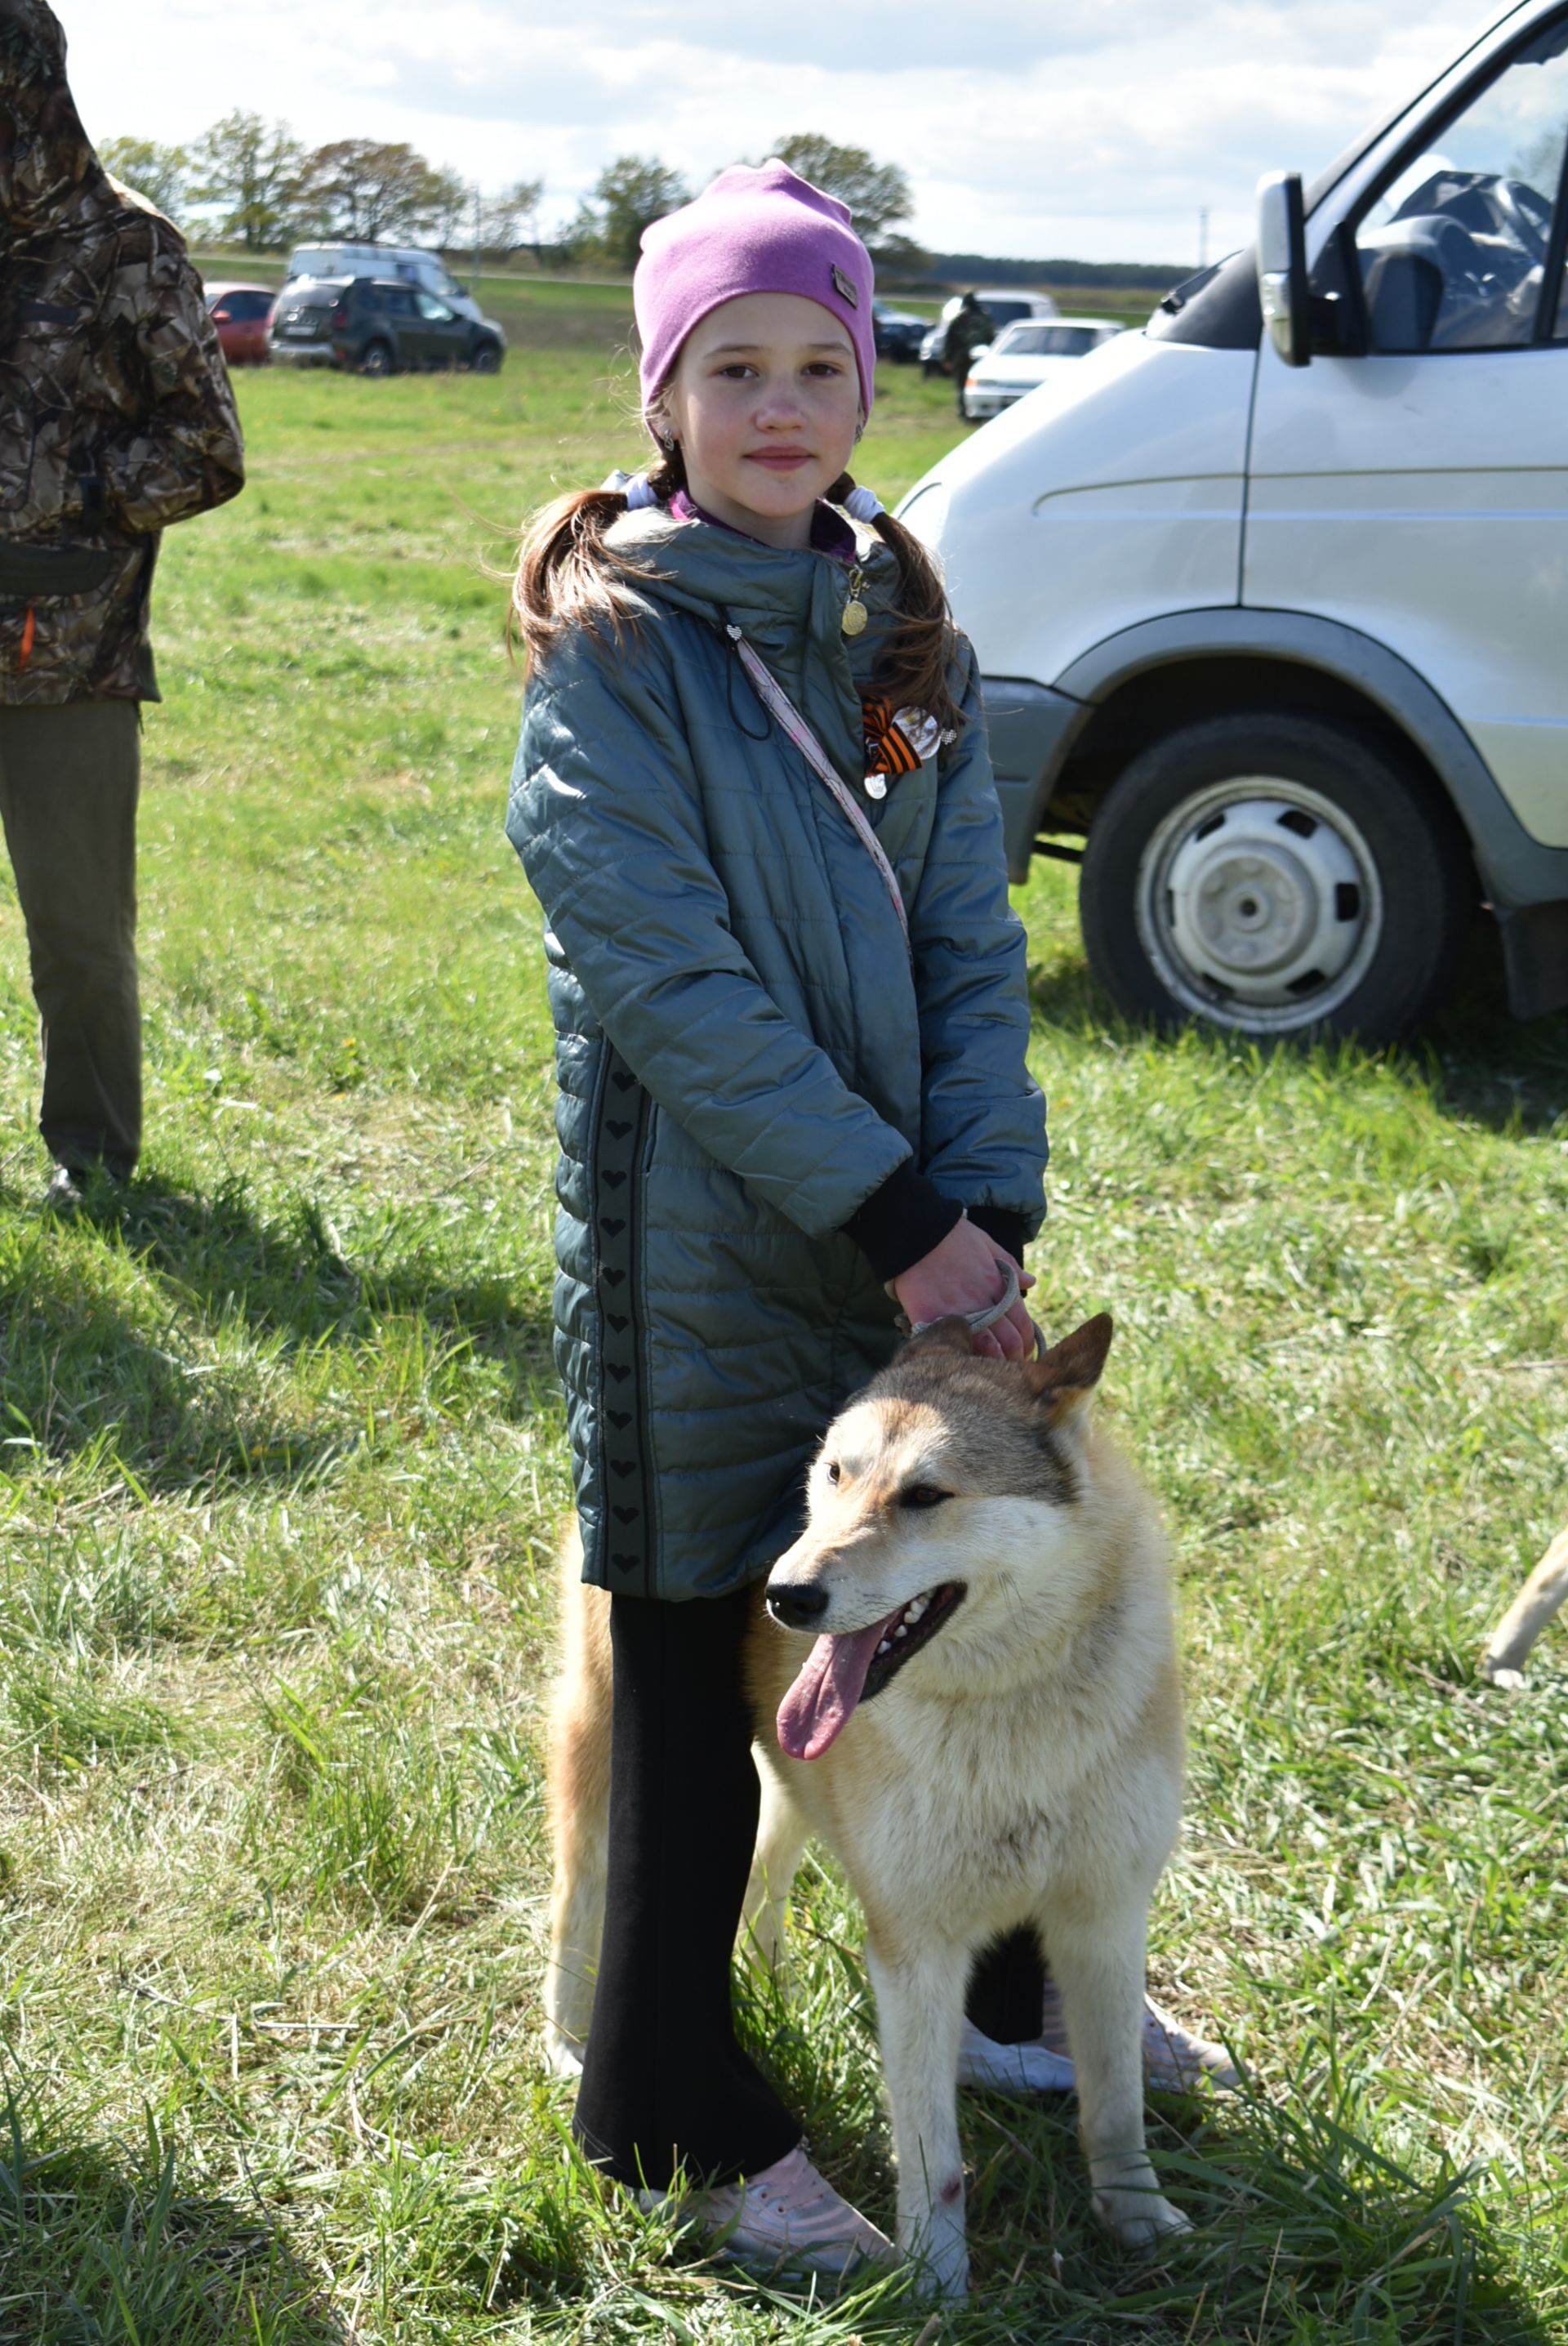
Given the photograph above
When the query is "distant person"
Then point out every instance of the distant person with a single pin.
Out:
(116, 418)
(968, 328)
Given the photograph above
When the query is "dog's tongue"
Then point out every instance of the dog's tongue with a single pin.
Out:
(816, 1710)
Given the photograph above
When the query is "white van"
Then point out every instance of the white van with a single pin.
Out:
(1276, 622)
(427, 270)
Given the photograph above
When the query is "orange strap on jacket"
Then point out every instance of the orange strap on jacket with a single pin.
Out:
(889, 750)
(29, 629)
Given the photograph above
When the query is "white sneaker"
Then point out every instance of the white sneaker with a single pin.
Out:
(1175, 2061)
(787, 2215)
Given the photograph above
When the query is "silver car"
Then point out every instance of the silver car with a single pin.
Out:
(1025, 355)
(1002, 304)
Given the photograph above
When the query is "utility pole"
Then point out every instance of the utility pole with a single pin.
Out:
(1203, 236)
(477, 235)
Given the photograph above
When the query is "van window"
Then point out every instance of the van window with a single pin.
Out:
(1452, 249)
(425, 269)
(316, 261)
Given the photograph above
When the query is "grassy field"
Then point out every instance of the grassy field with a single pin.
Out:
(282, 1469)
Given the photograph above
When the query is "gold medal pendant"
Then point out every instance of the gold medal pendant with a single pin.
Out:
(853, 621)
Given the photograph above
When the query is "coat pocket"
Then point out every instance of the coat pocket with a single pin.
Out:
(33, 572)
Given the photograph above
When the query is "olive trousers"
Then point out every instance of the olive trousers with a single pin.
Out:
(70, 780)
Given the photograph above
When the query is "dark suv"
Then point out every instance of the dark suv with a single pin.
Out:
(377, 326)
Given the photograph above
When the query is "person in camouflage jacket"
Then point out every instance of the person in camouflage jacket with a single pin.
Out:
(116, 419)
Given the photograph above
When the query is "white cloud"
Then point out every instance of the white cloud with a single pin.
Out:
(1097, 128)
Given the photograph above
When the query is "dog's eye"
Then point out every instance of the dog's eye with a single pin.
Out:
(834, 1470)
(922, 1494)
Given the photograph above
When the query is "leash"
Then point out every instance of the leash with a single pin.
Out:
(784, 714)
(976, 1321)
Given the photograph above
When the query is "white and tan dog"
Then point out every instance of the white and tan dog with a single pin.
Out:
(986, 1730)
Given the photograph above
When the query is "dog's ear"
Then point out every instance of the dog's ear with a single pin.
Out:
(950, 1335)
(1064, 1378)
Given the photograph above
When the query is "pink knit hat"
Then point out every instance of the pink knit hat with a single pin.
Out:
(762, 231)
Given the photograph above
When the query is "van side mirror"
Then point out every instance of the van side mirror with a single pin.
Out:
(1282, 286)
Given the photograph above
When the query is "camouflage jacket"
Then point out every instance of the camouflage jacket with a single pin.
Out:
(115, 412)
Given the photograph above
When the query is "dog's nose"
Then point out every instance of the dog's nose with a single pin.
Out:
(798, 1602)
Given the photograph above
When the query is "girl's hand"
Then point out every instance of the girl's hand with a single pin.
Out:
(968, 1272)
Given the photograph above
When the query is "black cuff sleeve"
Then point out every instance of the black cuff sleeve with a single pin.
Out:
(902, 1221)
(1009, 1229)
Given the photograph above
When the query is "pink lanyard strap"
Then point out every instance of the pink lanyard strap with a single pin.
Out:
(782, 709)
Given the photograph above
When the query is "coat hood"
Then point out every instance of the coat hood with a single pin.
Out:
(49, 174)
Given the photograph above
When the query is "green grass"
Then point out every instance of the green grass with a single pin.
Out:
(283, 1471)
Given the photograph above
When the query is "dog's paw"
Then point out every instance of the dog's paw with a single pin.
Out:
(939, 2280)
(937, 2255)
(563, 2053)
(1498, 1674)
(1136, 2219)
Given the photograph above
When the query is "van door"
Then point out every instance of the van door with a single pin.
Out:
(1419, 491)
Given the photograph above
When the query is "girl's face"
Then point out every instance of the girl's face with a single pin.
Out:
(765, 401)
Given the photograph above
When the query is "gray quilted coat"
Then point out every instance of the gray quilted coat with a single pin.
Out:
(743, 1052)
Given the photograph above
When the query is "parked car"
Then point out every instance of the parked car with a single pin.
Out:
(240, 313)
(1270, 598)
(378, 327)
(1025, 355)
(899, 333)
(1004, 305)
(409, 263)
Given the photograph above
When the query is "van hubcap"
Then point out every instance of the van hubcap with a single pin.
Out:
(1259, 904)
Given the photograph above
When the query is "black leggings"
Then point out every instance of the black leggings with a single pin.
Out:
(665, 2083)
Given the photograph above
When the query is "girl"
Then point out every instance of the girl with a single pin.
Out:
(780, 1120)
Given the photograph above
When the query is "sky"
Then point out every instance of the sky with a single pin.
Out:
(1093, 128)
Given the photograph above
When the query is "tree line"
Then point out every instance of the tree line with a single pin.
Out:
(634, 191)
(253, 183)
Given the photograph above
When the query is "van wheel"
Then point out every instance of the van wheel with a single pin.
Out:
(487, 359)
(376, 358)
(1275, 875)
